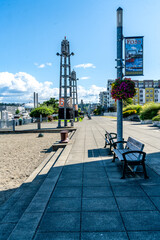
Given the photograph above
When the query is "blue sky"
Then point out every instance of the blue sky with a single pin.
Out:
(32, 31)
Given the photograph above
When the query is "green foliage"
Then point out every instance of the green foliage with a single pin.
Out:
(127, 102)
(156, 118)
(98, 111)
(52, 104)
(17, 111)
(138, 108)
(129, 113)
(44, 111)
(149, 111)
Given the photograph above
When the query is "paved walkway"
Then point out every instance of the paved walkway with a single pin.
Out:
(78, 194)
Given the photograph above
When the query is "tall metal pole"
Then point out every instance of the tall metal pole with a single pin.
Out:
(119, 72)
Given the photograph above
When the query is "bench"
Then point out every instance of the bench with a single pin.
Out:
(131, 155)
(110, 138)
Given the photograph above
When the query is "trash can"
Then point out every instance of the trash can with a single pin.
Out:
(20, 121)
(64, 136)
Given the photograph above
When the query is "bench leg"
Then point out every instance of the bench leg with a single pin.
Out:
(144, 170)
(124, 169)
(114, 156)
(110, 151)
(105, 145)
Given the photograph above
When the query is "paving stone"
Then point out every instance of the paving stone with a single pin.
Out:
(101, 221)
(57, 236)
(141, 220)
(134, 203)
(72, 168)
(94, 169)
(70, 182)
(95, 182)
(114, 174)
(67, 192)
(99, 204)
(94, 174)
(60, 221)
(104, 236)
(73, 174)
(127, 191)
(152, 235)
(5, 230)
(152, 190)
(16, 212)
(130, 181)
(89, 192)
(26, 227)
(156, 201)
(64, 204)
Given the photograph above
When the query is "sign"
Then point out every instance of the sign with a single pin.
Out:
(133, 56)
(76, 107)
(69, 102)
(61, 102)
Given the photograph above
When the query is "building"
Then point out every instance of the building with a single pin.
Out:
(103, 99)
(110, 100)
(146, 91)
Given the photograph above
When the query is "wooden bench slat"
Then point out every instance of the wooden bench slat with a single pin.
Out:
(131, 155)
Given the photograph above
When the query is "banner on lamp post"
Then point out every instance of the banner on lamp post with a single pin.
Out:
(133, 56)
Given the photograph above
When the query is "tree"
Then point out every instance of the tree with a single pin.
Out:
(52, 103)
(44, 111)
(17, 111)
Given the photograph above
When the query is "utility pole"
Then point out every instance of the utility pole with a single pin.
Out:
(119, 72)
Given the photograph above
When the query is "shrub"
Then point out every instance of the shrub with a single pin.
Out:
(156, 118)
(129, 113)
(44, 111)
(138, 108)
(149, 111)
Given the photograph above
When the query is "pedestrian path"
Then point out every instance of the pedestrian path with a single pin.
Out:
(79, 195)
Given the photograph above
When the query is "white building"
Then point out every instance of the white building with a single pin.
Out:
(110, 100)
(103, 99)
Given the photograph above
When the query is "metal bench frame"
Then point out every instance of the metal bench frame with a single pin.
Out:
(110, 139)
(131, 155)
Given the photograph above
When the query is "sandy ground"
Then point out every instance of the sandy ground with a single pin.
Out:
(20, 154)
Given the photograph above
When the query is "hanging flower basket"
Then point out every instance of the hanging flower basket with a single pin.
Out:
(123, 89)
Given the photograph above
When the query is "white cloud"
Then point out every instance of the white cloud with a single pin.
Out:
(84, 78)
(41, 66)
(49, 64)
(85, 65)
(20, 87)
(91, 94)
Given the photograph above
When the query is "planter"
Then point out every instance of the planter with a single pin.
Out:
(156, 123)
(146, 121)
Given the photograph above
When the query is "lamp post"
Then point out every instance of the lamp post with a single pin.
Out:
(119, 72)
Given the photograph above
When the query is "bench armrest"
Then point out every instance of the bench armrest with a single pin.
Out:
(114, 134)
(115, 143)
(134, 151)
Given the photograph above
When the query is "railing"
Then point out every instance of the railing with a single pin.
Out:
(8, 124)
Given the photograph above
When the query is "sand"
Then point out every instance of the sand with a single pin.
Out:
(20, 154)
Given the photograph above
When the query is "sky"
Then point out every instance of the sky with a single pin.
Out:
(31, 35)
